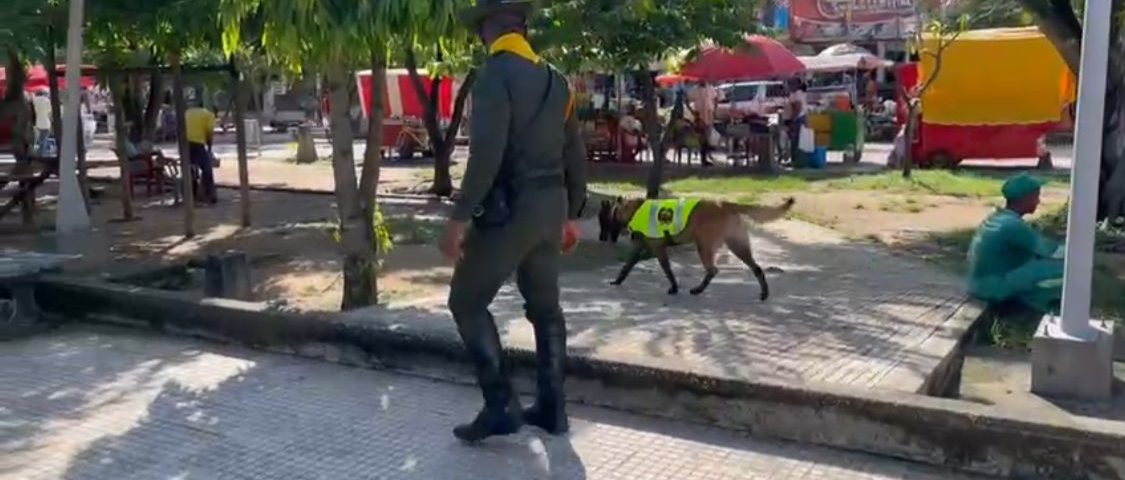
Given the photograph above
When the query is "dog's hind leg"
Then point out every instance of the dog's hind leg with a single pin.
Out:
(635, 257)
(661, 252)
(739, 245)
(707, 253)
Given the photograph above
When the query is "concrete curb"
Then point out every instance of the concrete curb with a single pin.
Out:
(930, 430)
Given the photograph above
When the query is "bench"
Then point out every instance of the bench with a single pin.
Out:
(26, 175)
(19, 271)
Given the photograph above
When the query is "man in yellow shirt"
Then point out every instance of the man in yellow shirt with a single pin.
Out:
(199, 127)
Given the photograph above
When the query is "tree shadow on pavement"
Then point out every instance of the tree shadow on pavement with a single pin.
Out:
(842, 312)
(228, 412)
(106, 403)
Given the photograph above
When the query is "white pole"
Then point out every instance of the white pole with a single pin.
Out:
(72, 216)
(1081, 221)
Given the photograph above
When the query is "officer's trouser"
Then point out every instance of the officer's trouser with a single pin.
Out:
(1036, 284)
(528, 246)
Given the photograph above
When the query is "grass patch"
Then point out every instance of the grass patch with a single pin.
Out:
(965, 184)
(932, 182)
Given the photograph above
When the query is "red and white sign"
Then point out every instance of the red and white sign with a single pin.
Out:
(823, 21)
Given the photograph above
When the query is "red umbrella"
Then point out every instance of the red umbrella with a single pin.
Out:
(760, 58)
(672, 79)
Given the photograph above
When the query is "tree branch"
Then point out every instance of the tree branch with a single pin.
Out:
(430, 117)
(459, 108)
(1057, 20)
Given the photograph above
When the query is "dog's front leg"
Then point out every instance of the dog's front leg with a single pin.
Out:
(635, 257)
(661, 252)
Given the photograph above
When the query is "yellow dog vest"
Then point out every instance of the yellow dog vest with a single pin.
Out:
(657, 218)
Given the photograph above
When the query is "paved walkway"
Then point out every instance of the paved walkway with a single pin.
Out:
(841, 311)
(118, 404)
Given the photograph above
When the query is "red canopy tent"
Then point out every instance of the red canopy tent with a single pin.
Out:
(401, 103)
(37, 78)
(759, 59)
(401, 99)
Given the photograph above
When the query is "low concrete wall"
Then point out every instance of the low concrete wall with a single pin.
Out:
(914, 427)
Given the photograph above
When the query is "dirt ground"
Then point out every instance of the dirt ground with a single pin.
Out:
(899, 221)
(295, 261)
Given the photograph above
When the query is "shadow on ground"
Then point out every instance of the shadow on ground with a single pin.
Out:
(101, 403)
(841, 312)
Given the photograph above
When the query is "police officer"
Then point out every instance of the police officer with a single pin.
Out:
(523, 190)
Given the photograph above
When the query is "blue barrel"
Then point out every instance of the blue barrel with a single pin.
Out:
(819, 157)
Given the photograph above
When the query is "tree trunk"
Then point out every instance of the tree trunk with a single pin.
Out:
(459, 110)
(185, 154)
(657, 140)
(152, 110)
(1059, 23)
(355, 236)
(908, 137)
(53, 84)
(239, 99)
(14, 107)
(373, 156)
(306, 145)
(369, 181)
(132, 108)
(117, 90)
(443, 180)
(1111, 191)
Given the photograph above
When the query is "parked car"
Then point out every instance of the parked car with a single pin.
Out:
(750, 96)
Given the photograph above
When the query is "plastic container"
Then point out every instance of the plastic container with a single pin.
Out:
(819, 158)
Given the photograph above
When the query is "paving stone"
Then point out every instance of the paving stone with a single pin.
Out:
(108, 404)
(841, 311)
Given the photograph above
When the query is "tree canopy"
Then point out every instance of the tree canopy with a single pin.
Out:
(635, 34)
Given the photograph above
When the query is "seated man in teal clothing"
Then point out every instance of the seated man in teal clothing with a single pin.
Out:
(1009, 261)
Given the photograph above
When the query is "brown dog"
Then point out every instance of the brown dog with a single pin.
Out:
(708, 224)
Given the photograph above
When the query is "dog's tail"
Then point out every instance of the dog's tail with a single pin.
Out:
(762, 214)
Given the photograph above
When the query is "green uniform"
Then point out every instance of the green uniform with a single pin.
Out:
(520, 115)
(1009, 260)
(662, 218)
(508, 92)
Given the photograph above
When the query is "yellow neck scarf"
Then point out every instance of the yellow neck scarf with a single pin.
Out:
(516, 44)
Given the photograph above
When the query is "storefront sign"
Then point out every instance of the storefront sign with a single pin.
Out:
(820, 21)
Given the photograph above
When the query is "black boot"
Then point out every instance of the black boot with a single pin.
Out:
(549, 411)
(501, 413)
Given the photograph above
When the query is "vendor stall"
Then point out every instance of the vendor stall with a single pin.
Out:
(403, 129)
(998, 93)
(838, 128)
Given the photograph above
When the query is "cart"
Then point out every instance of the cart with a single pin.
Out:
(839, 131)
(996, 96)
